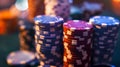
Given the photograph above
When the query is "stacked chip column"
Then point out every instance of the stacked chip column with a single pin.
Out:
(77, 43)
(105, 36)
(57, 8)
(26, 35)
(48, 40)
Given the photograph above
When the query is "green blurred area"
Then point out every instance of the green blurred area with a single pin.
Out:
(8, 43)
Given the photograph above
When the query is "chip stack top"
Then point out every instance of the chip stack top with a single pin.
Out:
(104, 20)
(79, 25)
(43, 19)
(105, 37)
(48, 24)
(77, 43)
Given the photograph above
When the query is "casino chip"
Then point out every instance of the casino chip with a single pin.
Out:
(26, 35)
(57, 8)
(49, 40)
(105, 37)
(22, 59)
(77, 43)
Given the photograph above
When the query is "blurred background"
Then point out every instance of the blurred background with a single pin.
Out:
(11, 11)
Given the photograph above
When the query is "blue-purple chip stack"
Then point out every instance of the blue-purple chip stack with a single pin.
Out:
(57, 8)
(48, 40)
(105, 37)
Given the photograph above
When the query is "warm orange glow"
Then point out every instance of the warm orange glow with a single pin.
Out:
(8, 20)
(116, 6)
(9, 13)
(116, 0)
(2, 27)
(5, 14)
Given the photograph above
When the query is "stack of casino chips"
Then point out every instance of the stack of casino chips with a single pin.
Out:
(48, 40)
(77, 43)
(105, 37)
(26, 35)
(22, 59)
(25, 57)
(57, 8)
